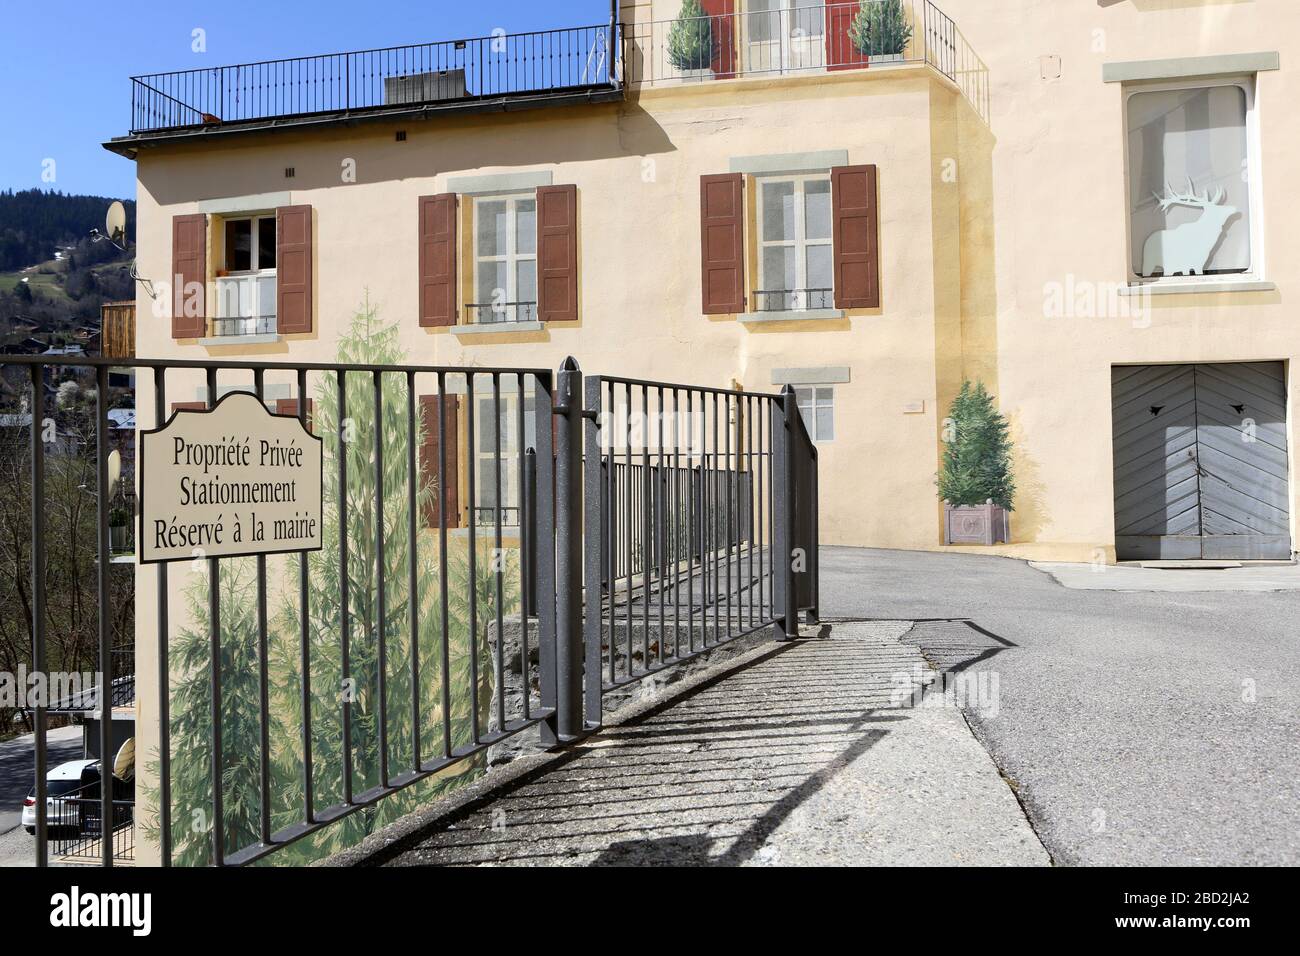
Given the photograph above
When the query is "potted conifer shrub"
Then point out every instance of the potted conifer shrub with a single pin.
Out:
(976, 484)
(880, 31)
(690, 42)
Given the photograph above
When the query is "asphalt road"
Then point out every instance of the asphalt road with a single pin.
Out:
(17, 763)
(1137, 728)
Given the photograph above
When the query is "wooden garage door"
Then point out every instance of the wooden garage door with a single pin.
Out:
(1201, 461)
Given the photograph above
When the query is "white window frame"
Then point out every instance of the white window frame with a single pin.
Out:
(252, 275)
(484, 452)
(800, 243)
(1247, 84)
(512, 256)
(815, 401)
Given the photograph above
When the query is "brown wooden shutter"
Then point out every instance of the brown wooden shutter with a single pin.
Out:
(189, 406)
(289, 406)
(557, 253)
(449, 487)
(857, 238)
(722, 245)
(722, 29)
(293, 266)
(189, 266)
(438, 260)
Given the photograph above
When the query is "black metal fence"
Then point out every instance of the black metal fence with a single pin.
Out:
(414, 641)
(500, 65)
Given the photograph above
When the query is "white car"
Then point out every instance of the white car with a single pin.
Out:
(64, 784)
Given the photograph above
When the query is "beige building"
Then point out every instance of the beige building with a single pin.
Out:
(1079, 204)
(998, 199)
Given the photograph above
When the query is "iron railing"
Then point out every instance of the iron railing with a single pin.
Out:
(794, 300)
(244, 325)
(482, 68)
(80, 834)
(504, 634)
(498, 313)
(807, 37)
(691, 521)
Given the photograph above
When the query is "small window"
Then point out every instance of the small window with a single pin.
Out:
(795, 262)
(1190, 190)
(505, 262)
(817, 408)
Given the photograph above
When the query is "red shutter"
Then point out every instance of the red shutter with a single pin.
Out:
(841, 53)
(722, 209)
(857, 238)
(723, 24)
(293, 267)
(289, 406)
(557, 253)
(430, 463)
(438, 260)
(189, 266)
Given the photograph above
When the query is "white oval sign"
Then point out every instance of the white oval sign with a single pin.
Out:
(229, 481)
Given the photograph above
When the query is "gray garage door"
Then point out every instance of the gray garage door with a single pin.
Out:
(1201, 461)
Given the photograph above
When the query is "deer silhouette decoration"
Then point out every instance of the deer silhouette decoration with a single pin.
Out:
(1186, 249)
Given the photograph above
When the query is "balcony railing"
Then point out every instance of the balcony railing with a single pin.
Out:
(244, 325)
(808, 37)
(794, 300)
(501, 65)
(498, 313)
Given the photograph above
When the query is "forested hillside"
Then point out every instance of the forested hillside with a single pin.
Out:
(33, 224)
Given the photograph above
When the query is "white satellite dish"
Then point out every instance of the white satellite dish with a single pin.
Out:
(115, 223)
(114, 470)
(124, 762)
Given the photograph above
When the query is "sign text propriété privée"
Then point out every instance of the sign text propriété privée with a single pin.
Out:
(230, 481)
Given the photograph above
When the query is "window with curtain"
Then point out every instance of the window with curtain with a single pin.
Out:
(1190, 190)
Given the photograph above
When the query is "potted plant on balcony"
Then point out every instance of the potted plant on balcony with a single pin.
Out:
(880, 31)
(690, 42)
(976, 483)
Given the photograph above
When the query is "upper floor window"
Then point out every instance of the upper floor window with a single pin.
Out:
(1191, 158)
(505, 261)
(796, 255)
(246, 283)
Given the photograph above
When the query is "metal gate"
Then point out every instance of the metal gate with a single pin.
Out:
(291, 693)
(1201, 467)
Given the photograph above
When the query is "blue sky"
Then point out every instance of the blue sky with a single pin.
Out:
(64, 66)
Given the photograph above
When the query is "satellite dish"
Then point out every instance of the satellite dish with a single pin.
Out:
(114, 471)
(124, 762)
(115, 223)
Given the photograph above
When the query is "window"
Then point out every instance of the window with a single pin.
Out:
(795, 263)
(250, 241)
(1190, 179)
(785, 34)
(246, 284)
(505, 261)
(485, 439)
(817, 408)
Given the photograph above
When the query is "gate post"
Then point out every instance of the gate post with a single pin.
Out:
(568, 552)
(785, 602)
(598, 509)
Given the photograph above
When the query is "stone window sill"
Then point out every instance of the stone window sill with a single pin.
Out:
(497, 328)
(803, 315)
(1196, 288)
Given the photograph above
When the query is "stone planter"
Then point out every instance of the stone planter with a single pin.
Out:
(697, 76)
(884, 59)
(119, 538)
(985, 524)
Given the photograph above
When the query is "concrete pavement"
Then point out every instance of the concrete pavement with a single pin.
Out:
(1131, 577)
(1137, 727)
(810, 753)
